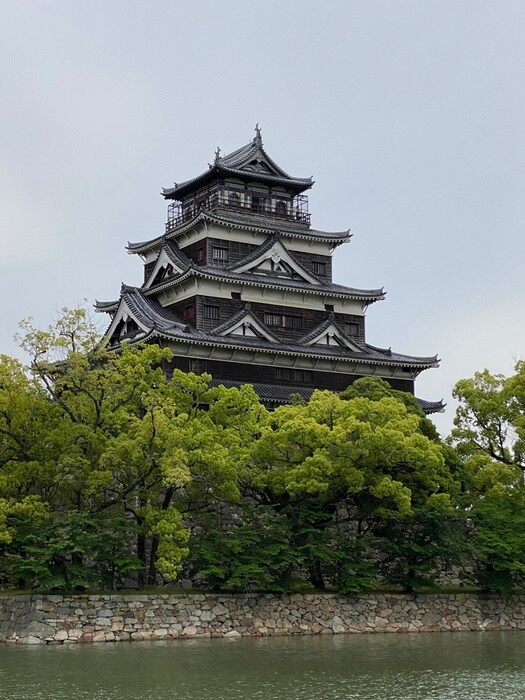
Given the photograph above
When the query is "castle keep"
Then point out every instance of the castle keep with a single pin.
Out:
(240, 285)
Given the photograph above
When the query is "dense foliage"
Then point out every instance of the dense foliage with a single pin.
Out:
(114, 473)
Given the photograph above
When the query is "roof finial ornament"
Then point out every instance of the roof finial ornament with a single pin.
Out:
(217, 155)
(258, 137)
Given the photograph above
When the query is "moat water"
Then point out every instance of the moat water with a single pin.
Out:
(442, 666)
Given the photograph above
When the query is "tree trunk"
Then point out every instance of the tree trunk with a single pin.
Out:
(141, 554)
(152, 569)
(316, 575)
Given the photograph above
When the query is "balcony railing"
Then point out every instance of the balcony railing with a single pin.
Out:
(245, 201)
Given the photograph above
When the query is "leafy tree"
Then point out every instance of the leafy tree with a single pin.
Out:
(333, 446)
(69, 551)
(113, 438)
(374, 388)
(490, 419)
(343, 466)
(499, 540)
(244, 550)
(489, 437)
(414, 547)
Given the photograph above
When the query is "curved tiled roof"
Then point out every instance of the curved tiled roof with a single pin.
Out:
(256, 279)
(175, 254)
(253, 279)
(243, 313)
(150, 313)
(247, 223)
(163, 324)
(431, 406)
(277, 393)
(237, 164)
(329, 321)
(106, 306)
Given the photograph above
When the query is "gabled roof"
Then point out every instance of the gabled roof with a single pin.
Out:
(253, 279)
(246, 223)
(271, 254)
(329, 333)
(162, 324)
(245, 320)
(270, 393)
(240, 273)
(147, 313)
(248, 162)
(169, 255)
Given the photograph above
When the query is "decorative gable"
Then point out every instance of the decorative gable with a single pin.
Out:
(125, 324)
(244, 324)
(166, 266)
(328, 334)
(274, 261)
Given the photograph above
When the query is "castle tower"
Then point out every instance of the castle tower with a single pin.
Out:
(240, 285)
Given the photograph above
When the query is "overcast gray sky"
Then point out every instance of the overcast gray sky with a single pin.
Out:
(409, 114)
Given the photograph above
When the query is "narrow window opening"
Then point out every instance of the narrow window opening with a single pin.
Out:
(352, 329)
(211, 312)
(280, 208)
(220, 254)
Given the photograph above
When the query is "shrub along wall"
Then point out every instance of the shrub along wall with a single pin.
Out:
(41, 619)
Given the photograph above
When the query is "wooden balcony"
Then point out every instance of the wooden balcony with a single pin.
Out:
(244, 201)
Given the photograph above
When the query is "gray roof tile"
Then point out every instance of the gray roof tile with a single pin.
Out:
(164, 324)
(235, 164)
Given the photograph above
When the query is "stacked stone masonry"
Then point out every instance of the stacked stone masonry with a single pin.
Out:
(46, 619)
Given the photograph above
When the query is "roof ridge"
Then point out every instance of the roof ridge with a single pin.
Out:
(245, 312)
(400, 356)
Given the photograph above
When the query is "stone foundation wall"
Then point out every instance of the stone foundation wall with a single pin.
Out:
(40, 619)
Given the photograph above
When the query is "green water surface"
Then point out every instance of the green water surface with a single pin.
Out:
(462, 666)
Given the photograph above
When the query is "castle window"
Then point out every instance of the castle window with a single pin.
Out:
(201, 253)
(188, 312)
(280, 208)
(318, 268)
(197, 366)
(256, 202)
(352, 330)
(211, 312)
(236, 295)
(220, 254)
(299, 376)
(283, 320)
(292, 321)
(329, 307)
(234, 200)
(272, 319)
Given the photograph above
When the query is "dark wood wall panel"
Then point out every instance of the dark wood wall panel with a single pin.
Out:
(257, 374)
(352, 325)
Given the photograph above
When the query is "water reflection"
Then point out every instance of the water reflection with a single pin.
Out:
(466, 666)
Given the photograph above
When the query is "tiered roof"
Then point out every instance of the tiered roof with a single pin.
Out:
(327, 343)
(242, 163)
(245, 223)
(159, 322)
(307, 284)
